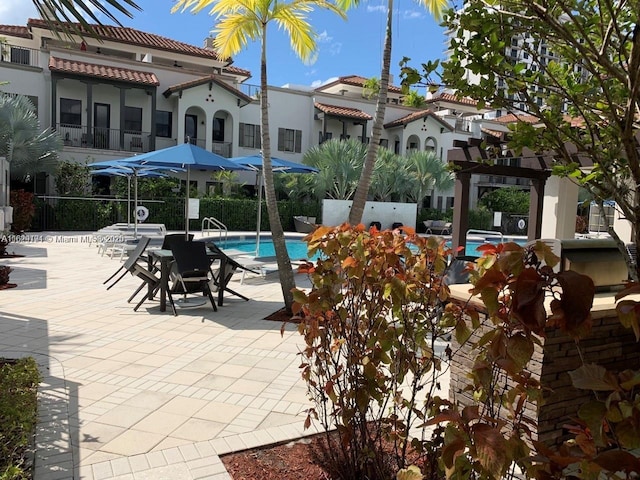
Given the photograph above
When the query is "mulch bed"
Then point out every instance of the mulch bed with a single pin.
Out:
(291, 461)
(282, 316)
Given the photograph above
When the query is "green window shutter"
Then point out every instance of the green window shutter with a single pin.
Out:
(241, 136)
(281, 132)
(298, 145)
(258, 138)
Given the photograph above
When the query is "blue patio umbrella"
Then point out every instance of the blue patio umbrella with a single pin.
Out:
(120, 171)
(254, 162)
(184, 156)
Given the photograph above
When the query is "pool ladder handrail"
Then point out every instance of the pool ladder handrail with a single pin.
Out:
(212, 224)
(492, 233)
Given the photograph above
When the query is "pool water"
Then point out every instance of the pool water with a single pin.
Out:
(298, 249)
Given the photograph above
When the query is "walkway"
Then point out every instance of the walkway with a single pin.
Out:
(146, 395)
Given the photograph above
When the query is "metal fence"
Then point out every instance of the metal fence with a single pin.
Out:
(91, 214)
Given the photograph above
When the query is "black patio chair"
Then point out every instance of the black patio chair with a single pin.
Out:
(192, 271)
(230, 267)
(149, 279)
(134, 257)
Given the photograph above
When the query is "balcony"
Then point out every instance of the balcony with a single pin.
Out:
(103, 138)
(17, 55)
(198, 142)
(222, 148)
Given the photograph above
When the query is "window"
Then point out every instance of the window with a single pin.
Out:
(21, 56)
(289, 140)
(218, 129)
(249, 135)
(449, 202)
(164, 124)
(384, 142)
(133, 119)
(70, 111)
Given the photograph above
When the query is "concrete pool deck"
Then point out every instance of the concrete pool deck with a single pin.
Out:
(145, 395)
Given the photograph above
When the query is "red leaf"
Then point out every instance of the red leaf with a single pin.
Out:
(492, 278)
(528, 301)
(575, 305)
(618, 461)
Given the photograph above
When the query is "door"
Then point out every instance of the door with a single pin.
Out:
(191, 128)
(101, 122)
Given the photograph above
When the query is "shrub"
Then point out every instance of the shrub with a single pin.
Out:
(507, 199)
(23, 210)
(480, 218)
(18, 415)
(370, 325)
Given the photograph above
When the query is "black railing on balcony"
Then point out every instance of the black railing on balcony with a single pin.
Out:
(18, 55)
(199, 142)
(222, 148)
(103, 138)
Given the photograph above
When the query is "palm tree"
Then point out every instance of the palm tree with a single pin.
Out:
(240, 21)
(25, 146)
(391, 178)
(339, 164)
(428, 173)
(360, 198)
(65, 12)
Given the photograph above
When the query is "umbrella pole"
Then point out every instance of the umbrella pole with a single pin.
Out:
(186, 209)
(135, 199)
(259, 213)
(128, 200)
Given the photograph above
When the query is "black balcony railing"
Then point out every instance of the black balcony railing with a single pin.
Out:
(18, 55)
(199, 142)
(103, 138)
(222, 148)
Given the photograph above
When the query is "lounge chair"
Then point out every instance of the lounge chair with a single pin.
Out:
(438, 227)
(304, 224)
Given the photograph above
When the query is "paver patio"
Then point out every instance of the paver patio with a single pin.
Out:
(146, 395)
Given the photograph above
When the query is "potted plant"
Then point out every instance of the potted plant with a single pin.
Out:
(23, 210)
(5, 270)
(5, 235)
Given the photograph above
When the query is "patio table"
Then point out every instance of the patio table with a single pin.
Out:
(165, 257)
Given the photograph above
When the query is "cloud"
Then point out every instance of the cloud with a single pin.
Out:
(377, 8)
(318, 83)
(412, 14)
(334, 48)
(323, 37)
(16, 12)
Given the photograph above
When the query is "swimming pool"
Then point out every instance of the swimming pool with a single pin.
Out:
(298, 249)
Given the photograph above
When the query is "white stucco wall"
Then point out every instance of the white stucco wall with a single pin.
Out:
(336, 212)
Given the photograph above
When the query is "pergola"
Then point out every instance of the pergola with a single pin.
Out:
(486, 157)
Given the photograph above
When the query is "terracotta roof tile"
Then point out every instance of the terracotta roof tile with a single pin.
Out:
(137, 37)
(15, 31)
(449, 97)
(201, 81)
(356, 81)
(413, 116)
(512, 118)
(237, 71)
(343, 111)
(102, 71)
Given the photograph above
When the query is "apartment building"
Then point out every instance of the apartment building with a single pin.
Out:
(129, 91)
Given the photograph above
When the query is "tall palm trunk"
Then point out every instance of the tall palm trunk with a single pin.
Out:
(287, 281)
(362, 191)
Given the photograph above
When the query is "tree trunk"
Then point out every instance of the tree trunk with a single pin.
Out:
(287, 281)
(362, 191)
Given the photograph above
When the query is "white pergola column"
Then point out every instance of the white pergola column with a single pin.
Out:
(559, 209)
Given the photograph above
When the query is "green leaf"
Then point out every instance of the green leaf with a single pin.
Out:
(591, 377)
